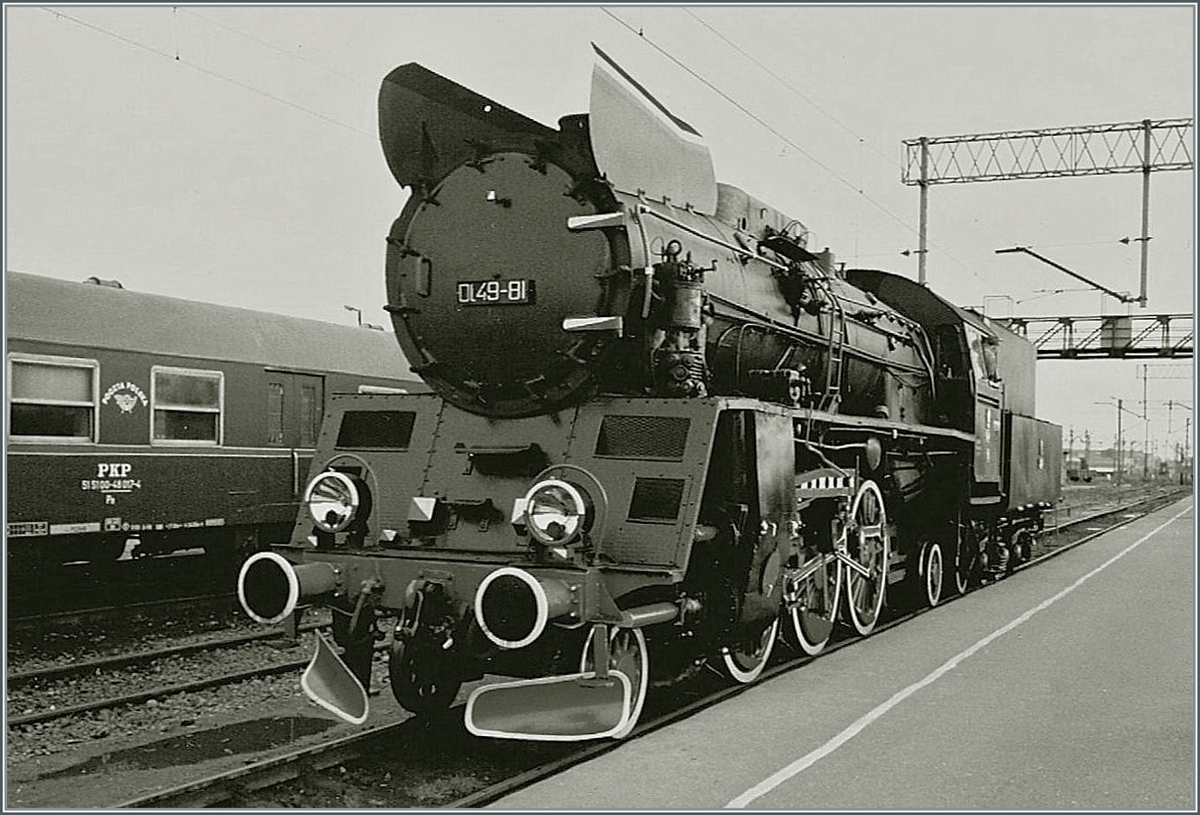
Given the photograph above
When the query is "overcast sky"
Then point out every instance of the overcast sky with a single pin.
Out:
(230, 154)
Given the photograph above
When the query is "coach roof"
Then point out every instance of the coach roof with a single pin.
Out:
(44, 309)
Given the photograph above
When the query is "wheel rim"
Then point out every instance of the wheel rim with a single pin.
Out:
(420, 685)
(812, 619)
(628, 654)
(961, 569)
(746, 661)
(867, 544)
(933, 574)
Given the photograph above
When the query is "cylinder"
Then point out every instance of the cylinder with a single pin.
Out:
(269, 586)
(513, 607)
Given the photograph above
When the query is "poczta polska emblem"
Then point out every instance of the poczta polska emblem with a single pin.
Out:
(126, 395)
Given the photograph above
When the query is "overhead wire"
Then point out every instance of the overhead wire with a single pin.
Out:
(1073, 243)
(783, 81)
(717, 32)
(207, 71)
(857, 188)
(768, 127)
(805, 98)
(278, 49)
(745, 110)
(176, 57)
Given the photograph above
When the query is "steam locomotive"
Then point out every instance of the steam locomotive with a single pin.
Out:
(664, 431)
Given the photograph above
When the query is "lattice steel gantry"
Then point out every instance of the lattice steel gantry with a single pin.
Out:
(1128, 147)
(1143, 336)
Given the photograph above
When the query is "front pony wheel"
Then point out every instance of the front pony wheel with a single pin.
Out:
(867, 549)
(422, 680)
(424, 675)
(627, 653)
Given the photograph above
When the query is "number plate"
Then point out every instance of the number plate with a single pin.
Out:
(494, 292)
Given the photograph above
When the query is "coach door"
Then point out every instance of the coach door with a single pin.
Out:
(295, 403)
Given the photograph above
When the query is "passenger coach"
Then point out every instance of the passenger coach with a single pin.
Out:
(173, 423)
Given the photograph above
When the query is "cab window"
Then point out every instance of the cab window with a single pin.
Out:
(983, 350)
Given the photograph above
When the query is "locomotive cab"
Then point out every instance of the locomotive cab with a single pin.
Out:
(986, 386)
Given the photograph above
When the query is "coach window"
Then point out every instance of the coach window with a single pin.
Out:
(310, 415)
(274, 413)
(52, 399)
(187, 406)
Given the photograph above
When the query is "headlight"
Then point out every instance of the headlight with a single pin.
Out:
(556, 512)
(333, 500)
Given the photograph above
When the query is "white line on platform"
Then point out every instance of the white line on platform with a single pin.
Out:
(801, 764)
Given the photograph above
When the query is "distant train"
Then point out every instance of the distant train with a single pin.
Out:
(1079, 473)
(663, 430)
(154, 424)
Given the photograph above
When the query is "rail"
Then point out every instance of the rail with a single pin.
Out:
(222, 788)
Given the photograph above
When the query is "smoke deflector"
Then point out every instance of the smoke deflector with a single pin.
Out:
(640, 145)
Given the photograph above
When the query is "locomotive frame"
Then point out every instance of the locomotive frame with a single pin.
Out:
(686, 434)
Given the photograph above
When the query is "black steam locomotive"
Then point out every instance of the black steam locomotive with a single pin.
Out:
(664, 430)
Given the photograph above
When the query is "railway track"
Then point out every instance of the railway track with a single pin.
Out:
(79, 589)
(90, 666)
(1093, 514)
(99, 615)
(363, 748)
(34, 681)
(131, 663)
(499, 790)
